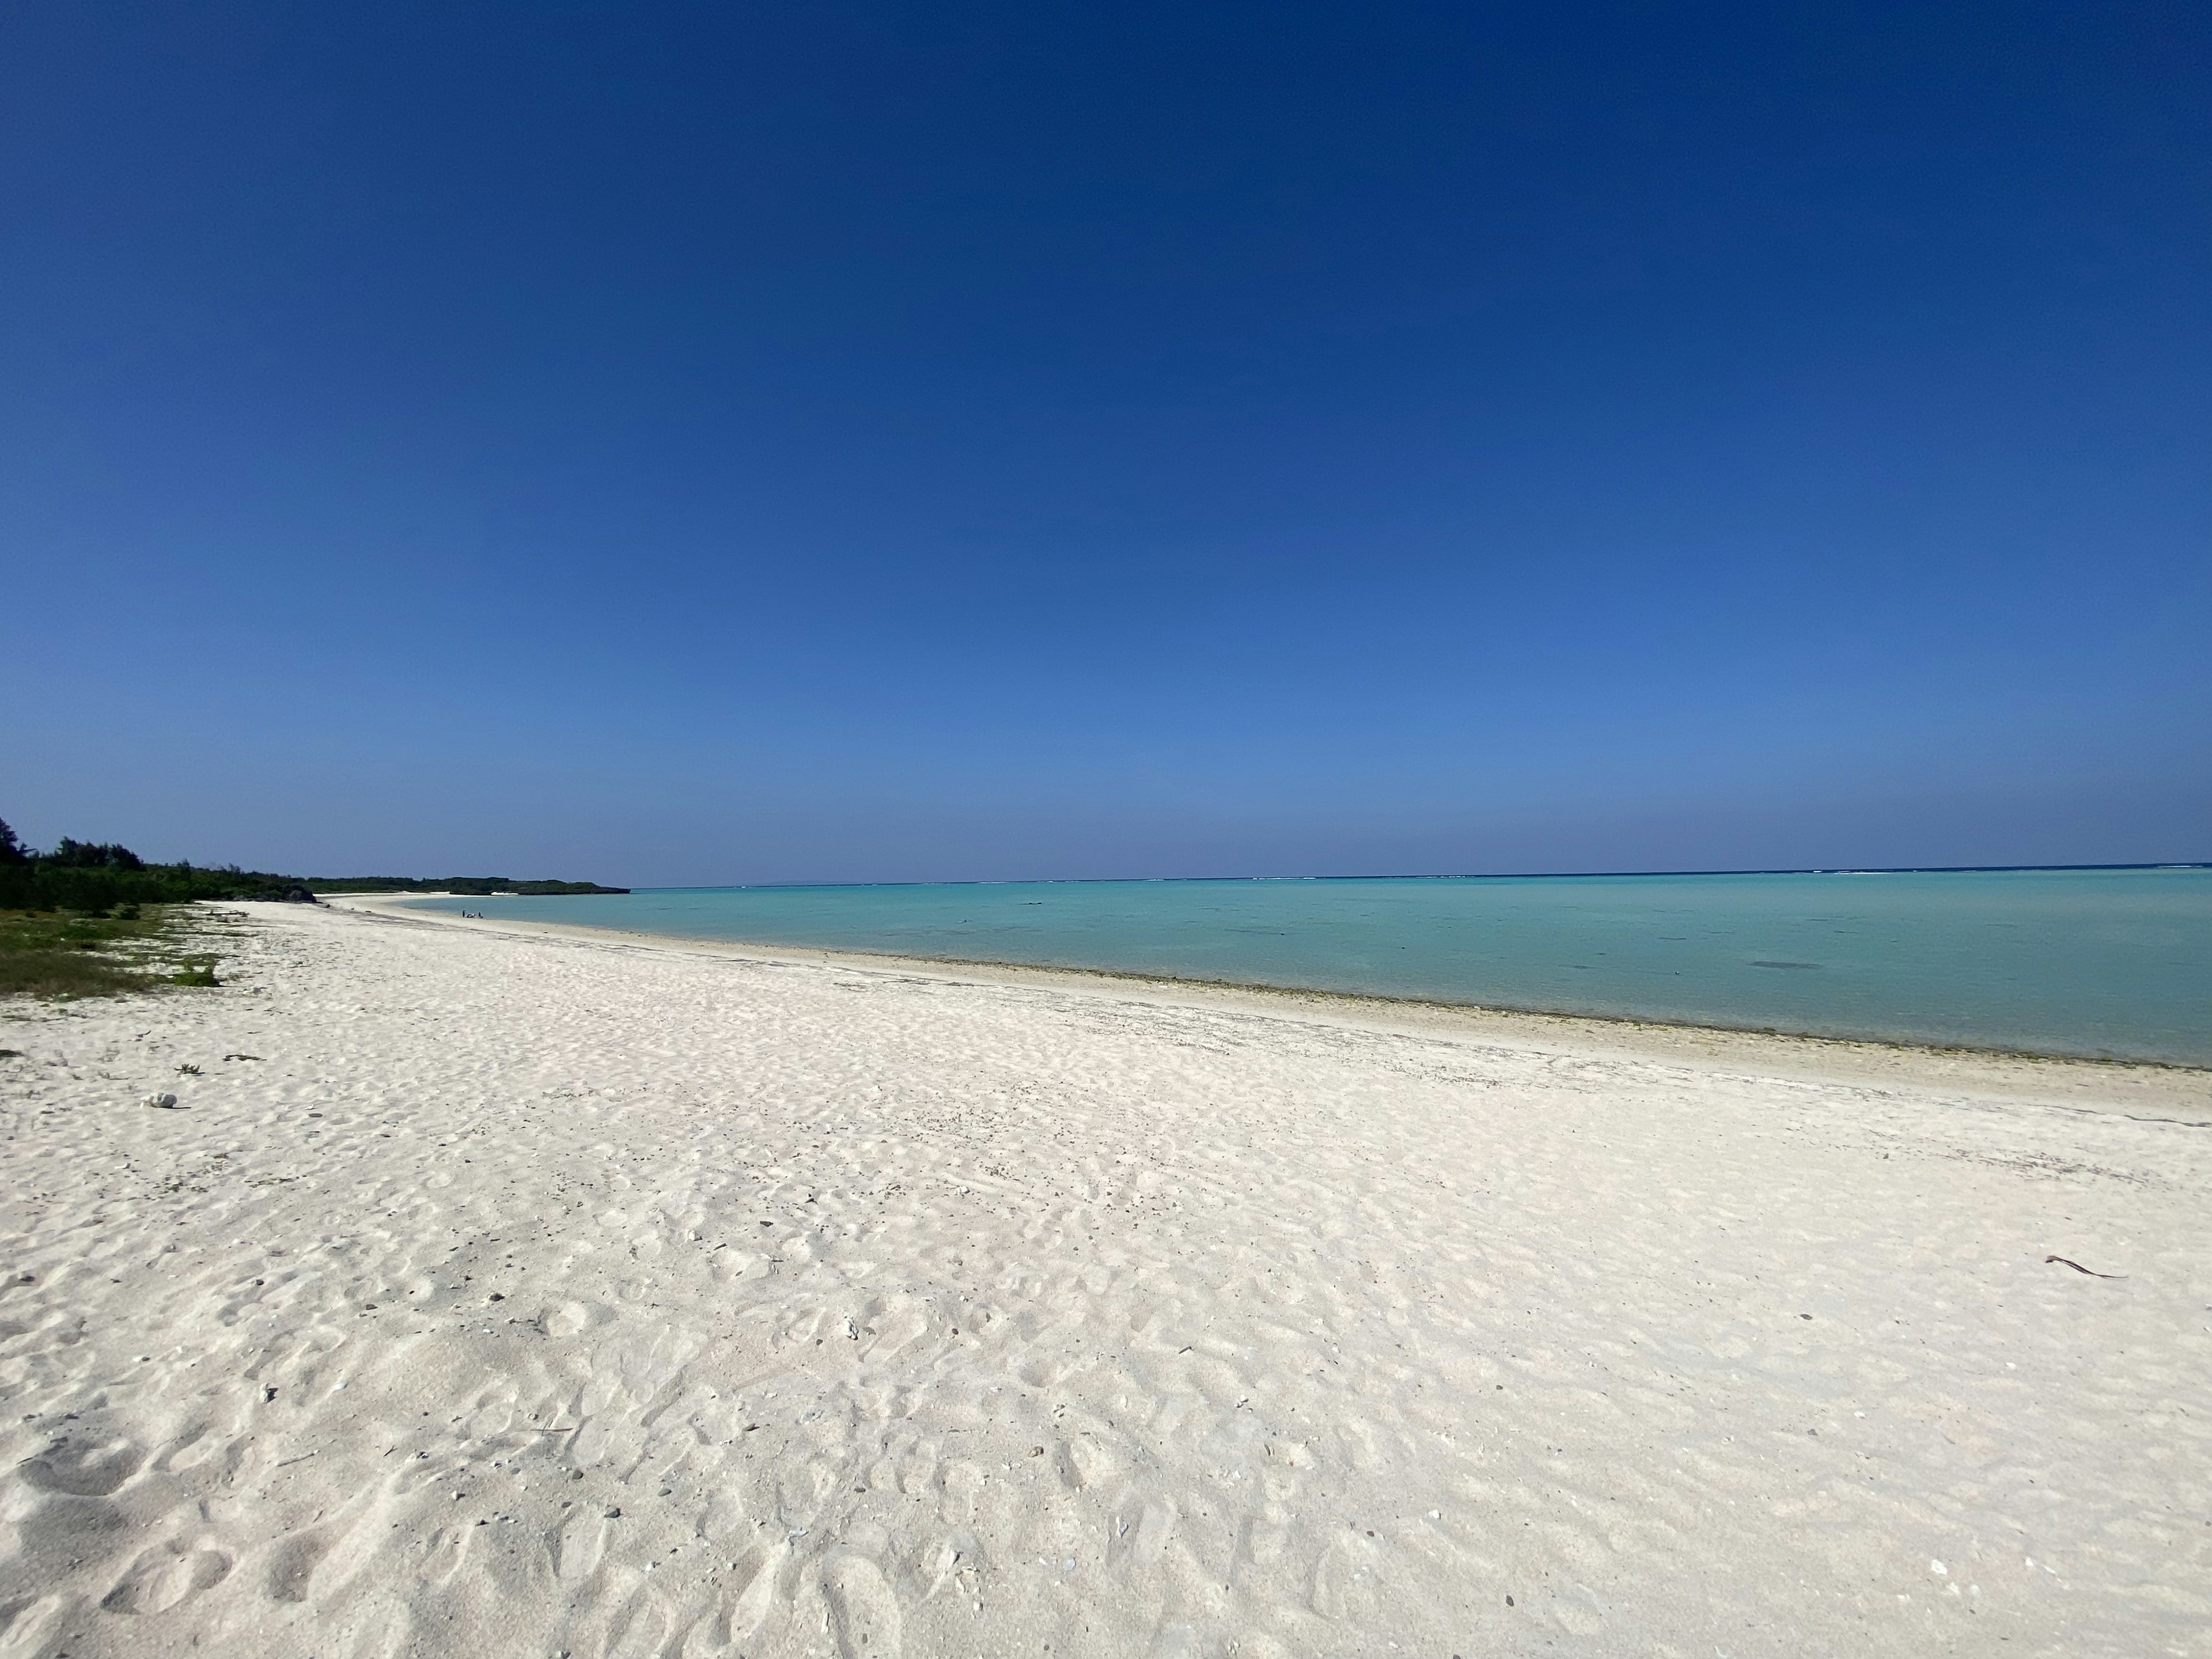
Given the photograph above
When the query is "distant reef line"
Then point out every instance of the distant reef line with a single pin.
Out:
(461, 886)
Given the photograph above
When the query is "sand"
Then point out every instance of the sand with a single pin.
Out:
(539, 1295)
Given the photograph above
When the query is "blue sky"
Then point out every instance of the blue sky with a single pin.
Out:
(710, 444)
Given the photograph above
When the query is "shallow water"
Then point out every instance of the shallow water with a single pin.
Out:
(2114, 964)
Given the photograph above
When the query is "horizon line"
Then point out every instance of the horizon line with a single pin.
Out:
(1459, 875)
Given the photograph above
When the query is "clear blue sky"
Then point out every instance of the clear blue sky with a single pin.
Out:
(718, 443)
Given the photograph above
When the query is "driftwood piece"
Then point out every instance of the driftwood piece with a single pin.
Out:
(2079, 1268)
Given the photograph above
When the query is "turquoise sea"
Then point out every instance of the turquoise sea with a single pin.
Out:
(2113, 964)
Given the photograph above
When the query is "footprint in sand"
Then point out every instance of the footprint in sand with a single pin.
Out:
(931, 1562)
(799, 1492)
(1155, 1526)
(917, 1466)
(754, 1575)
(292, 1567)
(1264, 1541)
(567, 1318)
(1085, 1462)
(191, 1447)
(159, 1579)
(448, 1549)
(864, 1614)
(804, 1326)
(1343, 1579)
(604, 1440)
(494, 1411)
(1050, 1370)
(644, 1630)
(726, 1518)
(85, 1470)
(577, 1550)
(960, 1480)
(892, 1326)
(31, 1627)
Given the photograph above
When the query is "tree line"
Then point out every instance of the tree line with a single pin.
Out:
(96, 878)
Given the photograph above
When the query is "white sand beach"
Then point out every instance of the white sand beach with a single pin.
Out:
(491, 1293)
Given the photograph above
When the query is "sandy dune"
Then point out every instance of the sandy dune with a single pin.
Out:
(543, 1296)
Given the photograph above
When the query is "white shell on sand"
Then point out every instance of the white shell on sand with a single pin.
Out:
(542, 1294)
(166, 1102)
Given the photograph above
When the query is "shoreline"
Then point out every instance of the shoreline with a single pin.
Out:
(2068, 1078)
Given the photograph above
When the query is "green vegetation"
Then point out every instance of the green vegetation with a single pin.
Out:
(94, 878)
(44, 954)
(88, 918)
(91, 919)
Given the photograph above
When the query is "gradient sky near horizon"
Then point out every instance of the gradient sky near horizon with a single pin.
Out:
(704, 444)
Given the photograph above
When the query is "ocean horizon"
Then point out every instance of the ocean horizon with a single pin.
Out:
(2098, 961)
